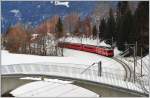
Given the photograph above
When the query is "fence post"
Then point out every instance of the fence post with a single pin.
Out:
(99, 69)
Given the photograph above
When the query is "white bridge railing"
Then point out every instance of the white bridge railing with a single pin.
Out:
(70, 72)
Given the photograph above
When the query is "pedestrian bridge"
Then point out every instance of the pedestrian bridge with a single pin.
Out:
(115, 85)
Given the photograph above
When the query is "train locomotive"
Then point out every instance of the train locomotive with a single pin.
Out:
(101, 50)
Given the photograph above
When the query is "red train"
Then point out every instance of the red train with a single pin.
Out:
(105, 51)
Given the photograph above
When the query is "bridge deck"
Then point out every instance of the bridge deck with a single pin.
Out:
(68, 72)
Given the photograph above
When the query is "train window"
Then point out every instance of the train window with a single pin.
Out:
(110, 51)
(76, 45)
(89, 47)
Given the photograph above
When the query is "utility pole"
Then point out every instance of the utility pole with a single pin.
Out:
(112, 42)
(136, 52)
(100, 68)
(97, 27)
(134, 63)
(141, 61)
(135, 60)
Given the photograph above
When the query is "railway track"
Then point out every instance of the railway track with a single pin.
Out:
(128, 72)
(87, 48)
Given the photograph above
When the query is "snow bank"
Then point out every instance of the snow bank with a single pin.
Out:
(116, 51)
(11, 58)
(145, 60)
(145, 63)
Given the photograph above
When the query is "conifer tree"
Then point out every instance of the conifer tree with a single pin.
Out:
(111, 29)
(141, 17)
(122, 10)
(102, 29)
(59, 28)
(94, 31)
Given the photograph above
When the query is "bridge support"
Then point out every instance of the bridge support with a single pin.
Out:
(107, 91)
(10, 83)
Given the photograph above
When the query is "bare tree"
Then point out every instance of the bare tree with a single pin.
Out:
(71, 22)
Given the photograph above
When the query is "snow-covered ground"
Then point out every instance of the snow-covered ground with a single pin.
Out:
(72, 58)
(79, 58)
(144, 79)
(76, 58)
(145, 64)
(52, 88)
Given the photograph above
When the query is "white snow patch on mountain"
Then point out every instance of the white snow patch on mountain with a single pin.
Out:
(15, 11)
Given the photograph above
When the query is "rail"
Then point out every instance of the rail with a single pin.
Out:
(128, 75)
(144, 83)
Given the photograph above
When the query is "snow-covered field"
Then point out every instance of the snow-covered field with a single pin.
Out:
(73, 58)
(70, 56)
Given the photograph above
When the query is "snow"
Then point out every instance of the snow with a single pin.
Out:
(116, 51)
(74, 57)
(145, 63)
(145, 68)
(24, 58)
(52, 88)
(71, 57)
(15, 11)
(34, 36)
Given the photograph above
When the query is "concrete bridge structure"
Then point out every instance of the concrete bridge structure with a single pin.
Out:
(104, 86)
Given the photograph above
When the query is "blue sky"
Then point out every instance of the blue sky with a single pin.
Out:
(34, 12)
